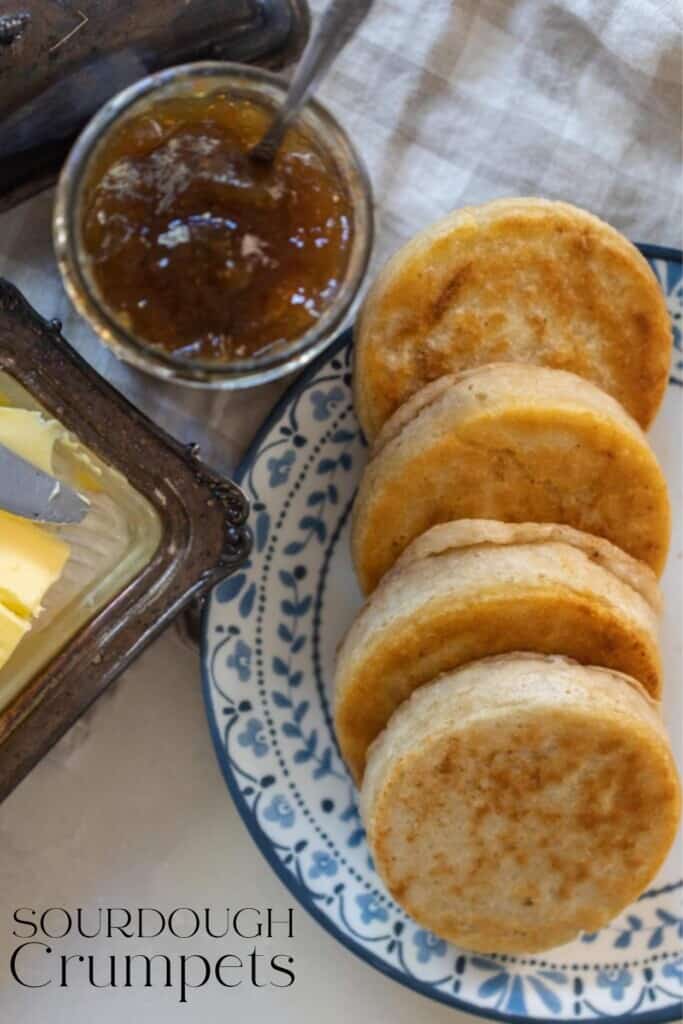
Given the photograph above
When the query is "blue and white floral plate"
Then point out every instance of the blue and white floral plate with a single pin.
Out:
(270, 635)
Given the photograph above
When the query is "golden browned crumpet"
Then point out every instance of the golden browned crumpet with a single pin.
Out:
(471, 590)
(514, 443)
(521, 800)
(519, 280)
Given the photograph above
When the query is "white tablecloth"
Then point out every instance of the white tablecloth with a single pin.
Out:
(450, 103)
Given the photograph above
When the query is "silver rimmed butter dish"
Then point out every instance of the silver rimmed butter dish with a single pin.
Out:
(162, 529)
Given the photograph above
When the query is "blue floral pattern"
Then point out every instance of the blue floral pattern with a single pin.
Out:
(674, 970)
(240, 661)
(325, 402)
(617, 980)
(254, 736)
(370, 908)
(279, 467)
(323, 864)
(428, 945)
(280, 810)
(271, 633)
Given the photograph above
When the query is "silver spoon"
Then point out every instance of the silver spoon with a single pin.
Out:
(337, 25)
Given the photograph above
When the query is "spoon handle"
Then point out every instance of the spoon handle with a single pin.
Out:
(336, 26)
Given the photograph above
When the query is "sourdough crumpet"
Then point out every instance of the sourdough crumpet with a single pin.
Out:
(521, 800)
(513, 443)
(519, 280)
(468, 533)
(454, 599)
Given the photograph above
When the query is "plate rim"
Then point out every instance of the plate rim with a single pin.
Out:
(665, 1015)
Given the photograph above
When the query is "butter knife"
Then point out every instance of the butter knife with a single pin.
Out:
(32, 494)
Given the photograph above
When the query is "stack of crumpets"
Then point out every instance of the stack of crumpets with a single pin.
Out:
(497, 696)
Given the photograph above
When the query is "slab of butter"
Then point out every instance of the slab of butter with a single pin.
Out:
(29, 435)
(31, 558)
(12, 631)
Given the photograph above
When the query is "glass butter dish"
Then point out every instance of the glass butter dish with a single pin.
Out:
(116, 540)
(161, 529)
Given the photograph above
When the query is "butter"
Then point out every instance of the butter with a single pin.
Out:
(31, 559)
(85, 474)
(29, 435)
(12, 631)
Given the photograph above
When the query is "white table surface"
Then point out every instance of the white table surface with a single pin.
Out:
(449, 104)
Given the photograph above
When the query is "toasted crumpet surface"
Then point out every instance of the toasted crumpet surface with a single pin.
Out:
(436, 613)
(520, 800)
(522, 280)
(512, 443)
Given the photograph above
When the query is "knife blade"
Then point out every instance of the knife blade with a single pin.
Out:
(32, 494)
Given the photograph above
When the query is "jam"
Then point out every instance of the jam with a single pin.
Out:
(198, 249)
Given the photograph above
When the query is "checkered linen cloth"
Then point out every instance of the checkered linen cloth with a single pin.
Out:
(459, 101)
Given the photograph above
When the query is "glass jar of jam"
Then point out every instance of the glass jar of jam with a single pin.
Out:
(192, 260)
